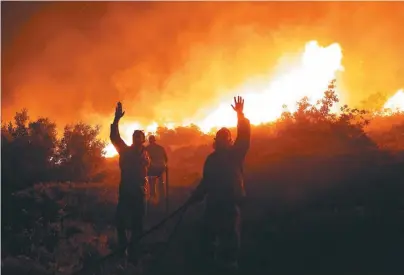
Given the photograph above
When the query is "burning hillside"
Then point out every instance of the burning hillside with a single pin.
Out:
(305, 76)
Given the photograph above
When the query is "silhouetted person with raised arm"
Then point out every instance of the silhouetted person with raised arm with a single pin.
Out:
(158, 166)
(133, 162)
(223, 186)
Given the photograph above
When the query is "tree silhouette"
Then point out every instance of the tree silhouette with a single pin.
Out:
(81, 151)
(16, 169)
(31, 152)
(42, 147)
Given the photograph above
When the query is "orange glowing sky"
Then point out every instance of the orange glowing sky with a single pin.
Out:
(179, 62)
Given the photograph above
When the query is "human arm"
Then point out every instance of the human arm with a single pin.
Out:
(114, 136)
(242, 142)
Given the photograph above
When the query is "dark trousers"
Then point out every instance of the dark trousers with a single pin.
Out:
(221, 234)
(156, 182)
(129, 219)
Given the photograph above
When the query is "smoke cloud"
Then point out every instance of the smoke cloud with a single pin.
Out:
(170, 61)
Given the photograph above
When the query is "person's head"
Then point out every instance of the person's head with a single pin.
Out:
(138, 137)
(152, 139)
(223, 139)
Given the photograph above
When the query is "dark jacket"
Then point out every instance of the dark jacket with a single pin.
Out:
(222, 180)
(133, 162)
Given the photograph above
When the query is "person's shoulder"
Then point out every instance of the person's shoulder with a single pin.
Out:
(149, 147)
(160, 146)
(211, 156)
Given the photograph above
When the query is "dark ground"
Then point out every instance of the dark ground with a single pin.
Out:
(342, 216)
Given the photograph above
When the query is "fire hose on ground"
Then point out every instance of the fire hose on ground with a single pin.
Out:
(182, 209)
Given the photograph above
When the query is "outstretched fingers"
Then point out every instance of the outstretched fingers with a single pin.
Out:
(118, 110)
(238, 102)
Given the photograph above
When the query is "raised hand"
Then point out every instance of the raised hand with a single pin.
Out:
(238, 104)
(118, 111)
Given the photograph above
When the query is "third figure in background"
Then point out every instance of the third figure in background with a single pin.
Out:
(157, 168)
